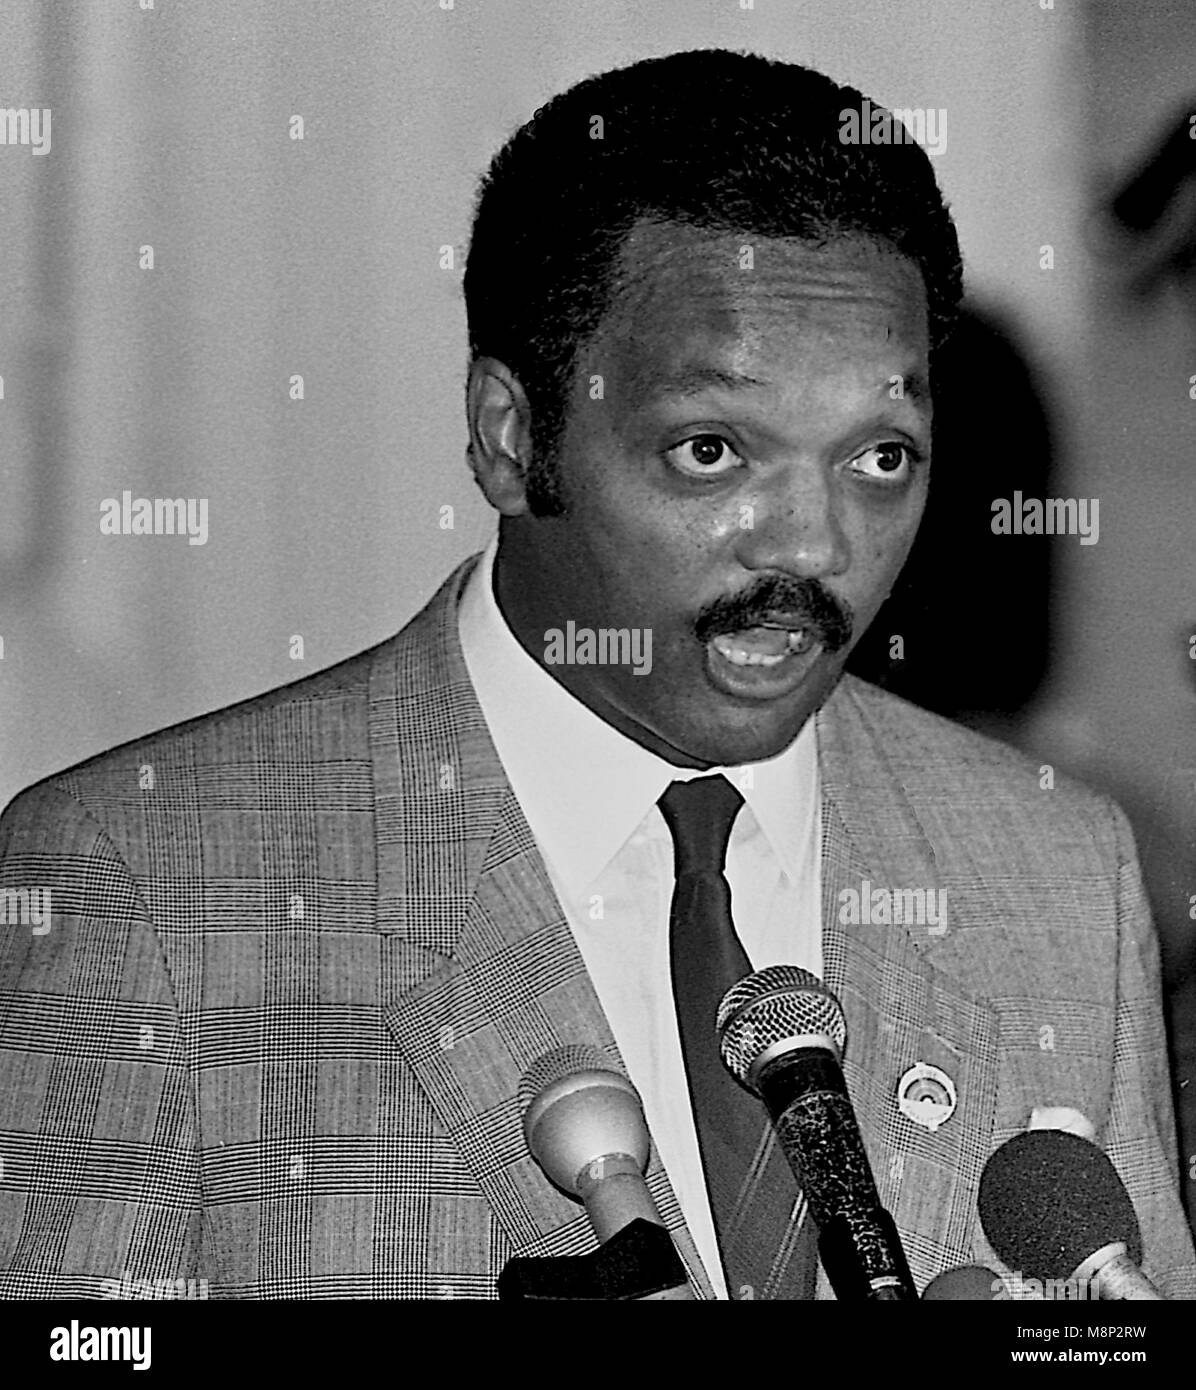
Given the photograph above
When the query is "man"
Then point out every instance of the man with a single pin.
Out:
(303, 951)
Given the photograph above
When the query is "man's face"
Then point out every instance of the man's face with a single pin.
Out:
(756, 463)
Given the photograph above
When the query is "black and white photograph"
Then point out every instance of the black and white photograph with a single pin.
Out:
(597, 671)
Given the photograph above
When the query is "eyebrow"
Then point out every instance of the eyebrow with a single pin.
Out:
(693, 380)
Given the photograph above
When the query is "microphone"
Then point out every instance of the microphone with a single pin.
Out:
(781, 1033)
(966, 1284)
(584, 1125)
(1054, 1208)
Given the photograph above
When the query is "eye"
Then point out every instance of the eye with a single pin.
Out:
(889, 462)
(703, 456)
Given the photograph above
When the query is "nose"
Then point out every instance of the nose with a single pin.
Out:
(794, 526)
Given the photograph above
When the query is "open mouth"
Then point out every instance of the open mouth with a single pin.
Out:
(763, 646)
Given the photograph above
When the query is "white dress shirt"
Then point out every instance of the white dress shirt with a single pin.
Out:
(589, 795)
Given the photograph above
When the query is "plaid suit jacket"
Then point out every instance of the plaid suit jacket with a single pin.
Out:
(302, 950)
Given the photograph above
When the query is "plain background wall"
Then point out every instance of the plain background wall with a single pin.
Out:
(322, 257)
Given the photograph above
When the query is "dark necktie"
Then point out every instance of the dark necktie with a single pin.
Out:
(752, 1190)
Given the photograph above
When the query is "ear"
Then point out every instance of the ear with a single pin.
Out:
(500, 436)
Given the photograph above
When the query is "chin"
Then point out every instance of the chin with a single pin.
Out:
(754, 736)
(753, 742)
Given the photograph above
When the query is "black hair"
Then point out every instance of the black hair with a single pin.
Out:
(711, 138)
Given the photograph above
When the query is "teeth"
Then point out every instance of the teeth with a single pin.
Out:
(738, 657)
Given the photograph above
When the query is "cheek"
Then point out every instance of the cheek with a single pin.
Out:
(909, 532)
(633, 527)
(880, 550)
(887, 532)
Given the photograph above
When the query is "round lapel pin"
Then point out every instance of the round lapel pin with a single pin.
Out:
(926, 1095)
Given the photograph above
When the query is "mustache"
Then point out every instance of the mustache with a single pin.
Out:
(805, 603)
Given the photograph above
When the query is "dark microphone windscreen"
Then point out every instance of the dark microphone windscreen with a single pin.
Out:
(1049, 1199)
(967, 1284)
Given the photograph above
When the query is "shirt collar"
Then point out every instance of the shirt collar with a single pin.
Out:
(584, 786)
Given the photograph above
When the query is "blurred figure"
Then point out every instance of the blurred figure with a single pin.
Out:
(1148, 231)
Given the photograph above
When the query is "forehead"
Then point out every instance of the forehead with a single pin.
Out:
(757, 305)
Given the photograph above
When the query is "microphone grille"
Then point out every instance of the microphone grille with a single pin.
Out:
(560, 1063)
(771, 1005)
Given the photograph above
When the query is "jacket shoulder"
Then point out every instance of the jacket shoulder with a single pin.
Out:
(317, 718)
(938, 761)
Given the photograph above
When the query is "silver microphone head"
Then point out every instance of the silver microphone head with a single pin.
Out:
(770, 1013)
(577, 1108)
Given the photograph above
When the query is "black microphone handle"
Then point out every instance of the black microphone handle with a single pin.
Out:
(806, 1095)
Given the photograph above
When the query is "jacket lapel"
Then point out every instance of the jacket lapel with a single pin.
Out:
(489, 975)
(901, 1007)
